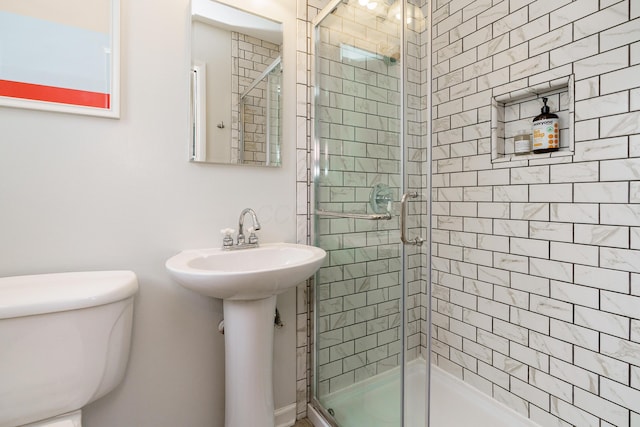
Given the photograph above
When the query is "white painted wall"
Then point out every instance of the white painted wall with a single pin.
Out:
(85, 193)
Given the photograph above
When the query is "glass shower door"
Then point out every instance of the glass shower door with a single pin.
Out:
(360, 297)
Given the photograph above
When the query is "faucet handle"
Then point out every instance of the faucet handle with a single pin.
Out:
(227, 240)
(253, 239)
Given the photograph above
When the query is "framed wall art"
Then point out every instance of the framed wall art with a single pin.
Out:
(61, 55)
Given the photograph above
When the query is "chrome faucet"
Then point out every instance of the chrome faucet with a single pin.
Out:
(253, 239)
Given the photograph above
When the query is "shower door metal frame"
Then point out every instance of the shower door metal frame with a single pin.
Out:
(326, 11)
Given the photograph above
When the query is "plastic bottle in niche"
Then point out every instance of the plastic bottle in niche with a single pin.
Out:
(546, 131)
(522, 142)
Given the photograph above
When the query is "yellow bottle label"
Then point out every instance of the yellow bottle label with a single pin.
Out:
(546, 134)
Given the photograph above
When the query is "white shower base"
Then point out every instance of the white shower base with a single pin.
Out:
(374, 402)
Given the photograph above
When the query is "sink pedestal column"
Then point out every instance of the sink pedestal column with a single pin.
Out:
(248, 338)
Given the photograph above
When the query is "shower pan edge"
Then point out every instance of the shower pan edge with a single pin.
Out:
(447, 389)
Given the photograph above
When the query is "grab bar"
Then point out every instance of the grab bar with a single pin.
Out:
(371, 217)
(417, 241)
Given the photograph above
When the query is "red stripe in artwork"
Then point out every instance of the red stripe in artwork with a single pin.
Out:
(54, 94)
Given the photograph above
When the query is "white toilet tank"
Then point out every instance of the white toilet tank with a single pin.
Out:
(64, 341)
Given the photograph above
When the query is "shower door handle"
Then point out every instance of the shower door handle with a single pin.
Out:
(417, 241)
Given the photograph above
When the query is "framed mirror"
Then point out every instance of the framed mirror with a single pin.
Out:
(236, 86)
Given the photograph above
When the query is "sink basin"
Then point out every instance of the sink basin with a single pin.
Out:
(245, 274)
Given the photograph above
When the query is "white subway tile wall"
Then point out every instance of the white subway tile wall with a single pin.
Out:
(250, 56)
(536, 261)
(558, 344)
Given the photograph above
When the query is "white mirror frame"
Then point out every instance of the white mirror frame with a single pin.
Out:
(18, 93)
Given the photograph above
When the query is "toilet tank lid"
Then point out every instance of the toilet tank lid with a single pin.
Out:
(50, 293)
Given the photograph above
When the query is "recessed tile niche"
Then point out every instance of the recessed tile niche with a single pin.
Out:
(515, 111)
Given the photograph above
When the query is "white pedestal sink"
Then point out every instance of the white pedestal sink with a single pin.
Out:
(248, 281)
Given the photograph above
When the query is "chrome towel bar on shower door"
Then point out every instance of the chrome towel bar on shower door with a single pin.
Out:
(417, 241)
(372, 217)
